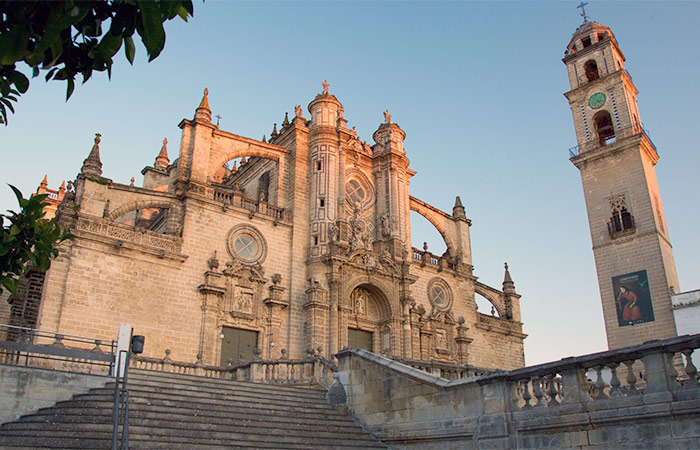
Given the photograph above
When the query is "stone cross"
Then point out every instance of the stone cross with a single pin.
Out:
(583, 11)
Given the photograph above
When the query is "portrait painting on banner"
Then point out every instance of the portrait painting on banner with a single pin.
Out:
(632, 298)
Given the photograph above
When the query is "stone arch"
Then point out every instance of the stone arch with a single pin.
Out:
(437, 218)
(385, 308)
(493, 296)
(141, 204)
(227, 149)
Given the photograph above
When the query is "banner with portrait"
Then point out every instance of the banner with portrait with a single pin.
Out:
(632, 298)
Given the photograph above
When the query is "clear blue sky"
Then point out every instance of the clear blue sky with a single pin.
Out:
(477, 86)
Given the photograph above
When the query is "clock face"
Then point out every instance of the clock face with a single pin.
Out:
(597, 100)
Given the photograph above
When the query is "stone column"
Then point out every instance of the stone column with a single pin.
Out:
(212, 290)
(335, 286)
(406, 327)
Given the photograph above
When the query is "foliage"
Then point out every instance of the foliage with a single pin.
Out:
(27, 240)
(67, 38)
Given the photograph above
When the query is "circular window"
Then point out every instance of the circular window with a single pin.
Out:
(358, 191)
(246, 244)
(354, 191)
(439, 294)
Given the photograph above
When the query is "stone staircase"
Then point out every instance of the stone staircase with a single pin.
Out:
(187, 412)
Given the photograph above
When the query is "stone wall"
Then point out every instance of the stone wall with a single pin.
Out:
(25, 389)
(553, 405)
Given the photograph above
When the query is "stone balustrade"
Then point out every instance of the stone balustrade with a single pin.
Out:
(312, 370)
(442, 369)
(252, 205)
(641, 396)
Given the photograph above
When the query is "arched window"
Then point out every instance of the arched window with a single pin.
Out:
(621, 220)
(604, 128)
(591, 70)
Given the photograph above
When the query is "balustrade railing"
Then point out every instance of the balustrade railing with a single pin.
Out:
(311, 370)
(30, 347)
(445, 370)
(594, 143)
(252, 205)
(629, 372)
(425, 258)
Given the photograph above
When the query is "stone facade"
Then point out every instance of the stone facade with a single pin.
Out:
(634, 260)
(274, 248)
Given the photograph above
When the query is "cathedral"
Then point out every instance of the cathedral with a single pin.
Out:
(276, 248)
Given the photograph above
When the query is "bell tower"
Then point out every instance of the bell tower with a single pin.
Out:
(616, 158)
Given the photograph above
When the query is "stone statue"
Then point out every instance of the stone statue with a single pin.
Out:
(386, 224)
(325, 87)
(333, 232)
(297, 110)
(387, 116)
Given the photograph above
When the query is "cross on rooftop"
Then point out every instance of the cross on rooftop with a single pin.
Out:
(218, 118)
(583, 11)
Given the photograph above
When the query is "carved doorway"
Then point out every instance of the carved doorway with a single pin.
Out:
(238, 345)
(360, 339)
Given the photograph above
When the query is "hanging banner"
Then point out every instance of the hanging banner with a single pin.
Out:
(632, 298)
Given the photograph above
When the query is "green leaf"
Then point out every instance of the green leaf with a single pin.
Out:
(7, 103)
(69, 88)
(152, 32)
(109, 45)
(129, 49)
(14, 230)
(20, 80)
(13, 45)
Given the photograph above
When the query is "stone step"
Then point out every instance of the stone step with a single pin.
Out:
(191, 415)
(139, 374)
(253, 432)
(145, 435)
(219, 397)
(185, 412)
(313, 397)
(238, 388)
(175, 401)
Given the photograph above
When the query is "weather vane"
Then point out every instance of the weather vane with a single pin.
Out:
(583, 11)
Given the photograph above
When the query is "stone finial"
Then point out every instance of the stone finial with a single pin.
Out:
(203, 112)
(387, 116)
(92, 166)
(458, 209)
(63, 187)
(274, 132)
(45, 181)
(425, 246)
(508, 284)
(213, 262)
(162, 159)
(264, 139)
(325, 87)
(133, 180)
(285, 122)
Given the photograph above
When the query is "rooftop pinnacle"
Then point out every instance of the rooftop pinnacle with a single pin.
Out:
(92, 166)
(203, 112)
(162, 159)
